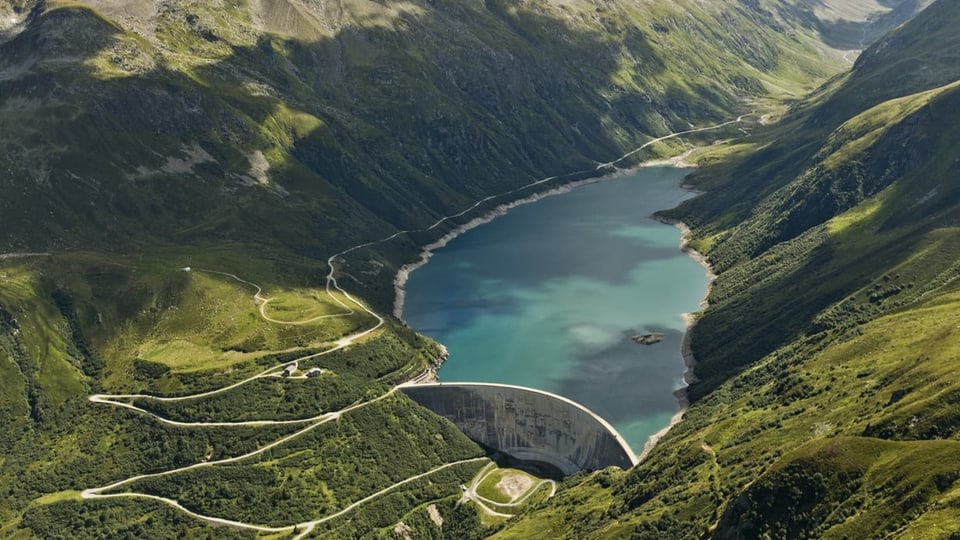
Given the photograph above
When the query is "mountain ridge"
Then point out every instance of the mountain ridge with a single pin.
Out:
(266, 145)
(250, 113)
(825, 405)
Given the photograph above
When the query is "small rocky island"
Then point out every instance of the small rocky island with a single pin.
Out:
(647, 339)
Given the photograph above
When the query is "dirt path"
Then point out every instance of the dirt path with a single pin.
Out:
(262, 301)
(470, 493)
(305, 527)
(4, 256)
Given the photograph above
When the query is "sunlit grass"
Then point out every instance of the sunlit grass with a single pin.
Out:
(855, 217)
(307, 304)
(491, 489)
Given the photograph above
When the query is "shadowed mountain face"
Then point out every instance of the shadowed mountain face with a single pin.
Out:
(855, 24)
(880, 130)
(258, 137)
(282, 120)
(827, 400)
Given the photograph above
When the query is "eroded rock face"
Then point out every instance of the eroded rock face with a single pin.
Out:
(13, 17)
(529, 425)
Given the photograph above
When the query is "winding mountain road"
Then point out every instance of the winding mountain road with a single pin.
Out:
(263, 301)
(485, 504)
(304, 528)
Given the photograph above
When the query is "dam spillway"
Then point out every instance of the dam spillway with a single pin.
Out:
(528, 424)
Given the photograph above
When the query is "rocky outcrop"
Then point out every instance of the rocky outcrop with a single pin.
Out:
(647, 339)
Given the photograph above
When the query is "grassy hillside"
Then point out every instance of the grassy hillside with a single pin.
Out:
(249, 142)
(211, 121)
(888, 149)
(826, 404)
(73, 325)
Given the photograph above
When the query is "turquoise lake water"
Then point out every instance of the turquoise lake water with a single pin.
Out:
(549, 295)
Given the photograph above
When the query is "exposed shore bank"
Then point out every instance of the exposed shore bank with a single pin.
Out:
(689, 361)
(690, 320)
(403, 274)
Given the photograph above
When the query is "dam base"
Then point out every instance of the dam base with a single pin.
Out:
(530, 426)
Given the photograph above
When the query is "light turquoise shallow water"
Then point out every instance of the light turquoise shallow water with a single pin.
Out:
(549, 295)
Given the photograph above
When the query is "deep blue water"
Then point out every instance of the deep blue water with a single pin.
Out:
(549, 295)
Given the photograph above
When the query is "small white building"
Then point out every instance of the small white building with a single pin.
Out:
(290, 370)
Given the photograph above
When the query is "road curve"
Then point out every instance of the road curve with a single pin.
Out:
(262, 301)
(307, 526)
(331, 284)
(471, 492)
(4, 256)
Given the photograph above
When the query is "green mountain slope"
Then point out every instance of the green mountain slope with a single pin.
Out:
(855, 24)
(826, 404)
(260, 138)
(841, 150)
(166, 123)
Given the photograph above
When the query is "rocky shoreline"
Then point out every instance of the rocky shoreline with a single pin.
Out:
(686, 351)
(430, 375)
(403, 275)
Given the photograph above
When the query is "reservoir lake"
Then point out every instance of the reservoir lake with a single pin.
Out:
(549, 295)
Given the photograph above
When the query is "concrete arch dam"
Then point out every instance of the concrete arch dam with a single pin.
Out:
(528, 424)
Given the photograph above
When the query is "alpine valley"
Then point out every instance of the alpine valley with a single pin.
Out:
(204, 205)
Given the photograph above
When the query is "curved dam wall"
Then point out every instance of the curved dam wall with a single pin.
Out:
(528, 424)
